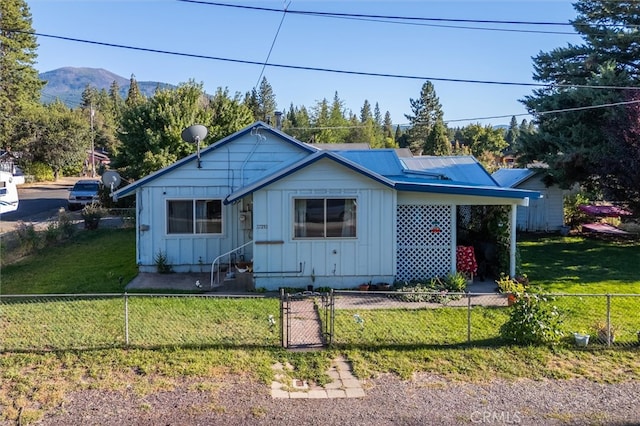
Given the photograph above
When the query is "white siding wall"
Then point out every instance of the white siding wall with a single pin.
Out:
(282, 260)
(224, 169)
(544, 214)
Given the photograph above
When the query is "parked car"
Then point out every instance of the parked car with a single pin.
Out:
(84, 192)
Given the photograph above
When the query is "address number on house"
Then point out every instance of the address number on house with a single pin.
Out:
(262, 226)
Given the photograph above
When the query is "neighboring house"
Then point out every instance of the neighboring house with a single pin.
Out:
(302, 216)
(543, 214)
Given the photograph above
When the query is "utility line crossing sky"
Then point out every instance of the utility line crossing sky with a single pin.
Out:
(478, 54)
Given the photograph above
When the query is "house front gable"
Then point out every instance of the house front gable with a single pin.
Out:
(165, 198)
(359, 247)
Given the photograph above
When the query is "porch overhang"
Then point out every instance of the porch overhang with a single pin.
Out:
(520, 196)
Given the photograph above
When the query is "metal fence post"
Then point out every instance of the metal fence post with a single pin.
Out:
(282, 318)
(468, 318)
(126, 319)
(609, 320)
(332, 314)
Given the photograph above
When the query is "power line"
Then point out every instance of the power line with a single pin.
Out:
(462, 27)
(554, 111)
(362, 15)
(320, 69)
(273, 43)
(404, 20)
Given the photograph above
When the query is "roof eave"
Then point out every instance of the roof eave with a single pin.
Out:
(317, 156)
(498, 192)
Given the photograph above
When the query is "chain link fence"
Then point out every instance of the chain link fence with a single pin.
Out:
(339, 318)
(58, 322)
(374, 319)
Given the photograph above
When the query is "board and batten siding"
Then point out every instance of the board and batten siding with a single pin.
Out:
(544, 214)
(222, 171)
(280, 260)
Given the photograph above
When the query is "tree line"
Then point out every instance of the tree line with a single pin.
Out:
(597, 148)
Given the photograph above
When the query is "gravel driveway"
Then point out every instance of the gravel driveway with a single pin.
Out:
(425, 400)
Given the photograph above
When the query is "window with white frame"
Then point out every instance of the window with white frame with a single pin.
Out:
(325, 218)
(194, 216)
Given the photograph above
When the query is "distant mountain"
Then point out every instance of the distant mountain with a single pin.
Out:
(68, 83)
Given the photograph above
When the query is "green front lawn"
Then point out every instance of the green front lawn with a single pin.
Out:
(582, 265)
(100, 261)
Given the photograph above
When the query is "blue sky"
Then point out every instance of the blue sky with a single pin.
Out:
(368, 46)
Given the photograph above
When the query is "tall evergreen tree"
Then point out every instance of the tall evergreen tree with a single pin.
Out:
(20, 84)
(575, 142)
(251, 102)
(512, 134)
(134, 96)
(426, 111)
(437, 143)
(266, 101)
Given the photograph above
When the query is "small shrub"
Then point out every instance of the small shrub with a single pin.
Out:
(573, 216)
(92, 213)
(65, 224)
(533, 321)
(436, 290)
(28, 237)
(516, 285)
(162, 262)
(40, 172)
(602, 332)
(53, 233)
(455, 282)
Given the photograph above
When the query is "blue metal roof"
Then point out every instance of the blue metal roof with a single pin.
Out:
(460, 168)
(511, 178)
(461, 175)
(385, 162)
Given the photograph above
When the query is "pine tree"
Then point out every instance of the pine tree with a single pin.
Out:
(437, 142)
(512, 134)
(133, 95)
(426, 110)
(20, 84)
(266, 100)
(575, 142)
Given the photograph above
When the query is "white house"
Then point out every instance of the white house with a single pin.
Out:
(543, 214)
(299, 216)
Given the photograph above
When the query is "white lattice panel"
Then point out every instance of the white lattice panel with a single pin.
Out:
(424, 241)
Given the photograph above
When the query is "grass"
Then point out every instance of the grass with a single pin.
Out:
(100, 261)
(204, 340)
(582, 265)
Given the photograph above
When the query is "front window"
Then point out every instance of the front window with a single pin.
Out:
(194, 217)
(325, 218)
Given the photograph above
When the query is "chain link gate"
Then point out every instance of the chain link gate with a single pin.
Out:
(306, 319)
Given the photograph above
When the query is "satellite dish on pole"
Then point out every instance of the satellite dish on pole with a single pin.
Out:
(194, 134)
(111, 178)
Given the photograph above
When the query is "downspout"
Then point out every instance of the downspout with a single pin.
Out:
(512, 245)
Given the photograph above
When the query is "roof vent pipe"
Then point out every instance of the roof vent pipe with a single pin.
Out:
(278, 115)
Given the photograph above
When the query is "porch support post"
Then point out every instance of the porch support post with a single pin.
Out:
(454, 236)
(512, 244)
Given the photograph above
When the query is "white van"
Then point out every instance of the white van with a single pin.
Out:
(8, 193)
